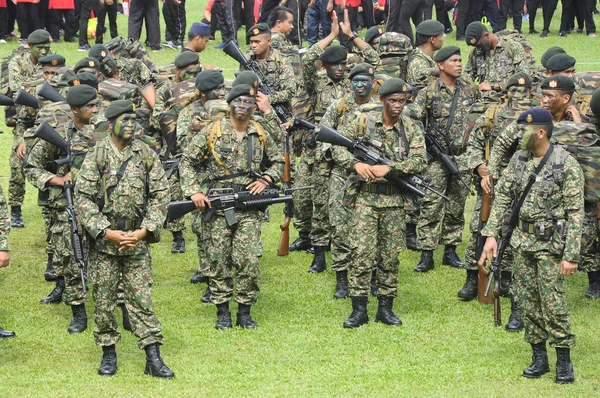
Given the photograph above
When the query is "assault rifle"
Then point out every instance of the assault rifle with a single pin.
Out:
(6, 100)
(172, 165)
(410, 183)
(48, 134)
(76, 232)
(233, 50)
(48, 92)
(483, 275)
(26, 99)
(288, 209)
(436, 150)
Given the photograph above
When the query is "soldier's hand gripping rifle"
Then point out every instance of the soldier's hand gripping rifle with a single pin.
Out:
(233, 50)
(361, 151)
(436, 151)
(76, 233)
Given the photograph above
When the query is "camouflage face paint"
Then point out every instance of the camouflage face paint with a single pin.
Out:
(40, 50)
(528, 138)
(124, 127)
(242, 107)
(362, 85)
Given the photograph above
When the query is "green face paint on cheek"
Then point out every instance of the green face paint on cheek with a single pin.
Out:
(362, 86)
(527, 138)
(124, 127)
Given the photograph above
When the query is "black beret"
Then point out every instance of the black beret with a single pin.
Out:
(474, 32)
(559, 82)
(246, 77)
(209, 79)
(552, 51)
(430, 27)
(259, 29)
(362, 69)
(81, 95)
(84, 78)
(199, 29)
(99, 51)
(595, 103)
(87, 62)
(445, 52)
(520, 79)
(119, 107)
(372, 33)
(186, 58)
(239, 90)
(39, 36)
(560, 62)
(535, 116)
(52, 60)
(334, 55)
(393, 86)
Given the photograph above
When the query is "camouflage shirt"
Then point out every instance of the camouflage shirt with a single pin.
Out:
(498, 65)
(418, 63)
(290, 52)
(20, 70)
(134, 71)
(4, 223)
(277, 73)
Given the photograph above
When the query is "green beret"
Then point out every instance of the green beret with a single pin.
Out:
(209, 79)
(372, 33)
(552, 51)
(87, 62)
(246, 77)
(119, 107)
(99, 51)
(474, 32)
(259, 29)
(39, 36)
(84, 78)
(445, 52)
(80, 95)
(560, 82)
(239, 90)
(362, 69)
(560, 62)
(187, 58)
(334, 55)
(595, 103)
(52, 60)
(393, 86)
(520, 79)
(431, 27)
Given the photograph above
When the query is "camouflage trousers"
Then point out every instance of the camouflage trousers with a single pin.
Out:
(339, 217)
(435, 210)
(378, 237)
(589, 260)
(411, 207)
(16, 183)
(197, 229)
(176, 194)
(134, 274)
(320, 233)
(46, 215)
(540, 289)
(64, 262)
(303, 206)
(230, 249)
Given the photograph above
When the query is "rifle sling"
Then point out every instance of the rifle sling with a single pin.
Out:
(449, 121)
(110, 190)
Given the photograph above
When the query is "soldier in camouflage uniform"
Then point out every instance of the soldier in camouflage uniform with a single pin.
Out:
(377, 224)
(590, 258)
(546, 239)
(220, 147)
(122, 195)
(434, 106)
(4, 248)
(282, 24)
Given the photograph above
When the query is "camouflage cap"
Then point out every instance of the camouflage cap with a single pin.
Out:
(535, 116)
(186, 58)
(87, 62)
(430, 27)
(259, 29)
(334, 55)
(240, 90)
(119, 107)
(81, 95)
(595, 103)
(560, 82)
(52, 60)
(552, 51)
(445, 52)
(84, 78)
(246, 77)
(372, 33)
(39, 36)
(362, 69)
(520, 79)
(393, 86)
(560, 62)
(209, 79)
(99, 51)
(474, 32)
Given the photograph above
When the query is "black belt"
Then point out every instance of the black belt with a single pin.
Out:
(380, 188)
(126, 224)
(527, 227)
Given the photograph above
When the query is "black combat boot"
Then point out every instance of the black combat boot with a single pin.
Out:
(108, 366)
(126, 321)
(302, 243)
(564, 366)
(385, 313)
(55, 295)
(318, 263)
(426, 262)
(411, 236)
(243, 317)
(49, 274)
(593, 290)
(341, 286)
(223, 316)
(539, 362)
(155, 366)
(359, 314)
(505, 280)
(374, 283)
(206, 298)
(515, 321)
(198, 278)
(6, 334)
(178, 242)
(469, 289)
(16, 217)
(451, 258)
(79, 319)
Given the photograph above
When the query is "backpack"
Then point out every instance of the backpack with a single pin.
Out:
(130, 48)
(586, 83)
(394, 50)
(527, 48)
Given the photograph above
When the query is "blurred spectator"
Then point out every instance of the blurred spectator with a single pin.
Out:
(28, 17)
(106, 8)
(140, 11)
(85, 11)
(318, 16)
(532, 7)
(222, 11)
(3, 21)
(379, 12)
(269, 5)
(60, 9)
(516, 6)
(442, 7)
(174, 15)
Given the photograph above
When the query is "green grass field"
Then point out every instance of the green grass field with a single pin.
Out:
(445, 347)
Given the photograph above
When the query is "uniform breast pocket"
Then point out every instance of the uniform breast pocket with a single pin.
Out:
(325, 96)
(136, 187)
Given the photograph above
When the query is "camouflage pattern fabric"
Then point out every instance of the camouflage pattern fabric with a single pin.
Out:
(589, 259)
(20, 69)
(416, 75)
(134, 71)
(394, 49)
(4, 223)
(277, 73)
(290, 52)
(16, 182)
(586, 83)
(520, 38)
(46, 215)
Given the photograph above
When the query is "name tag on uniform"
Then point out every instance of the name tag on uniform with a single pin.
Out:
(376, 143)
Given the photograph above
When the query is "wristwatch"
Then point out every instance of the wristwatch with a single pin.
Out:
(354, 36)
(103, 233)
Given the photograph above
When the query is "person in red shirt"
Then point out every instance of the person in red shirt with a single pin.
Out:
(59, 9)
